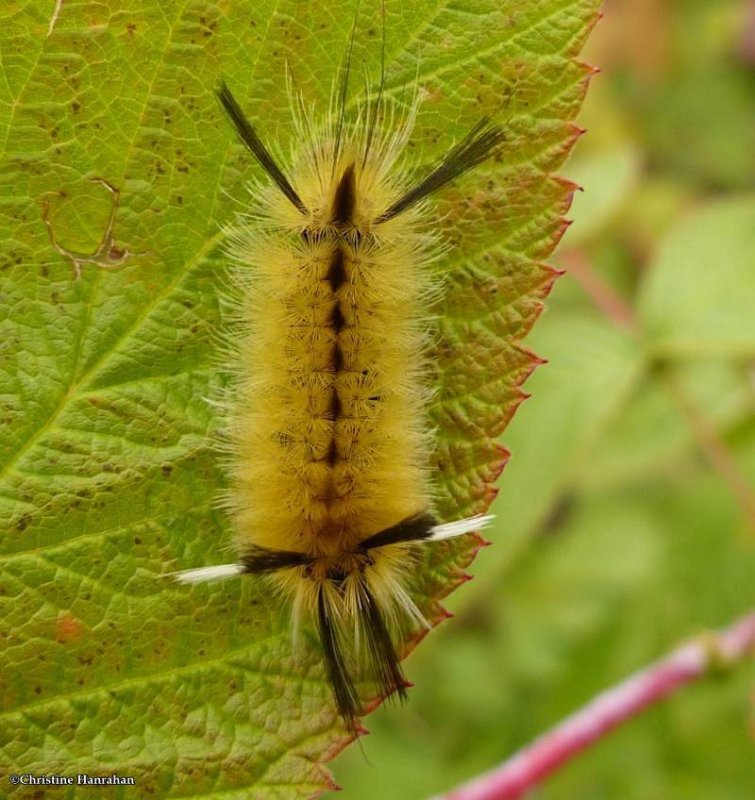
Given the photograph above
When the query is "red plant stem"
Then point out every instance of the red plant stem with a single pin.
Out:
(530, 766)
(716, 451)
(602, 294)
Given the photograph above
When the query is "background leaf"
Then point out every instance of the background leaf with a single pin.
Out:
(625, 523)
(713, 312)
(107, 473)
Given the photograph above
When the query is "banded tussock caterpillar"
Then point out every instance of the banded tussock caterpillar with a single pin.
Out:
(330, 489)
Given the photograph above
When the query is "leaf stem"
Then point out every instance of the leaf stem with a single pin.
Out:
(711, 443)
(707, 436)
(529, 767)
(600, 291)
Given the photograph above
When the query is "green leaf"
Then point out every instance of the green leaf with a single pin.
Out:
(697, 298)
(117, 174)
(592, 367)
(649, 435)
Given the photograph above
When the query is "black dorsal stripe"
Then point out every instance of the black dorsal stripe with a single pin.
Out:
(335, 405)
(336, 276)
(332, 457)
(337, 320)
(344, 201)
(337, 357)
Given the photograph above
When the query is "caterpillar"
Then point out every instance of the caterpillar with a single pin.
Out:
(330, 490)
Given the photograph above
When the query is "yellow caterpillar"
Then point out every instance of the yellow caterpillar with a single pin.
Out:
(330, 492)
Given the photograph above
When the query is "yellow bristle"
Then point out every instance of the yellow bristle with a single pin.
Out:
(332, 476)
(326, 433)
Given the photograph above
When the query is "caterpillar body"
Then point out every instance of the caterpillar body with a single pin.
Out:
(330, 485)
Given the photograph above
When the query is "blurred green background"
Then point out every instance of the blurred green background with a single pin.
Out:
(626, 520)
